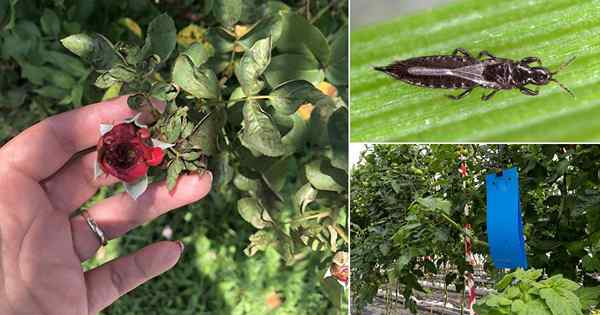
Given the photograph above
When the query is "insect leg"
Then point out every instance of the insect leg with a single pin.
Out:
(462, 51)
(529, 92)
(485, 53)
(528, 60)
(463, 94)
(486, 97)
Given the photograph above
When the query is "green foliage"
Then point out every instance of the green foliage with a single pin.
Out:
(233, 106)
(408, 201)
(214, 276)
(521, 292)
(386, 110)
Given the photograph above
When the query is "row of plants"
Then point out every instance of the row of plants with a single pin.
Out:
(255, 91)
(408, 201)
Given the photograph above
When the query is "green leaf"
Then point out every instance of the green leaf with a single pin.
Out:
(386, 110)
(50, 23)
(432, 204)
(77, 94)
(288, 67)
(7, 14)
(259, 241)
(588, 297)
(68, 63)
(252, 211)
(269, 26)
(252, 65)
(173, 172)
(161, 38)
(324, 177)
(336, 71)
(165, 92)
(337, 130)
(96, 49)
(287, 97)
(517, 307)
(200, 81)
(276, 175)
(52, 92)
(198, 54)
(304, 196)
(82, 45)
(206, 132)
(298, 36)
(259, 133)
(228, 12)
(557, 303)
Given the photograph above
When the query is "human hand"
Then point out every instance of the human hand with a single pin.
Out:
(41, 247)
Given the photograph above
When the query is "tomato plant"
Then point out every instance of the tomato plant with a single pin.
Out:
(408, 201)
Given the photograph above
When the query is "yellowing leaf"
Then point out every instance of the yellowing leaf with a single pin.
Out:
(328, 89)
(305, 110)
(132, 26)
(112, 91)
(190, 34)
(241, 30)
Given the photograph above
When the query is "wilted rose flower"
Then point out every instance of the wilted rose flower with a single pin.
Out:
(341, 273)
(339, 268)
(126, 152)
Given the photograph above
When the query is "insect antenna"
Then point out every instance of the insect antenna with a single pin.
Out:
(563, 87)
(560, 69)
(563, 66)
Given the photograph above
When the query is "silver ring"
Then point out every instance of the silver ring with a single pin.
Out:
(94, 227)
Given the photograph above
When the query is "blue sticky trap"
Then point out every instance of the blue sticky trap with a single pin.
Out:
(504, 226)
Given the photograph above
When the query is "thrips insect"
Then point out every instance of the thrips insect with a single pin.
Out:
(463, 71)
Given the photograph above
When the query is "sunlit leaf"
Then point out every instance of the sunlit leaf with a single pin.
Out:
(252, 65)
(259, 133)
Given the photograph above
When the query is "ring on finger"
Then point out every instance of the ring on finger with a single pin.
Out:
(94, 227)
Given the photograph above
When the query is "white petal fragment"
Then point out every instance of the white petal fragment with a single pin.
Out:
(162, 145)
(135, 120)
(97, 170)
(138, 188)
(105, 128)
(327, 274)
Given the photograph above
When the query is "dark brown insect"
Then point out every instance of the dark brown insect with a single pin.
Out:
(463, 71)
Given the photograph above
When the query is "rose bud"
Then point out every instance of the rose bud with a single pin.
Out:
(126, 152)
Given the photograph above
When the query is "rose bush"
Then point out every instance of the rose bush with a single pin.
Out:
(243, 87)
(126, 152)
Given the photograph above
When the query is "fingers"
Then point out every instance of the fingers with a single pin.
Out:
(108, 282)
(120, 213)
(75, 183)
(55, 139)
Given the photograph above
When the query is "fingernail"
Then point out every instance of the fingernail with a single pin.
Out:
(209, 173)
(181, 246)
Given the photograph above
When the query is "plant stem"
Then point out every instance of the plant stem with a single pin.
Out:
(462, 231)
(258, 97)
(322, 11)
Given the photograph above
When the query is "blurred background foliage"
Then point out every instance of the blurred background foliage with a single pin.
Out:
(40, 78)
(408, 201)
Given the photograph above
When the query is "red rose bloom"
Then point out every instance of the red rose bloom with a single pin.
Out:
(126, 152)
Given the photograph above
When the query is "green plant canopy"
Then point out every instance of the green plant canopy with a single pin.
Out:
(387, 110)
